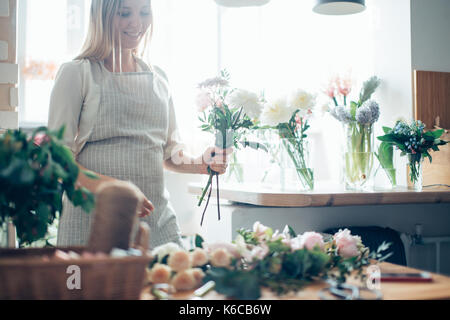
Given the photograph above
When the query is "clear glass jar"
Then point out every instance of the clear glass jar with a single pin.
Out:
(415, 171)
(358, 155)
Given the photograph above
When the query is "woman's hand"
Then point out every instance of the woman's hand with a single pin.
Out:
(147, 208)
(216, 159)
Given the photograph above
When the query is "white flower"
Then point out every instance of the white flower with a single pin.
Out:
(275, 112)
(214, 82)
(348, 246)
(247, 100)
(164, 250)
(301, 100)
(261, 231)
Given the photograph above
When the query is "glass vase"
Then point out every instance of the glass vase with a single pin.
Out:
(415, 171)
(272, 175)
(8, 235)
(299, 174)
(358, 155)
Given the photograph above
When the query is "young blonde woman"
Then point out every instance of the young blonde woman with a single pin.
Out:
(120, 120)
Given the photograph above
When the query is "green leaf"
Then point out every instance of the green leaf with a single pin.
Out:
(387, 130)
(90, 175)
(199, 241)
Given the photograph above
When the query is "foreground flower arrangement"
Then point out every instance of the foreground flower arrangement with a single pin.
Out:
(258, 258)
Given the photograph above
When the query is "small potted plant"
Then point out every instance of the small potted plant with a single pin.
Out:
(34, 173)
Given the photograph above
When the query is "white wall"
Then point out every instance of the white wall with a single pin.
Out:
(430, 35)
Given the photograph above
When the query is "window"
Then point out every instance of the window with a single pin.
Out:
(280, 46)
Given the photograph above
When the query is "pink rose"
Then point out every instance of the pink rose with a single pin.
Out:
(347, 244)
(40, 138)
(310, 240)
(203, 101)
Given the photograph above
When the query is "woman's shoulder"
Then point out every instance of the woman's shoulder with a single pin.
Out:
(74, 66)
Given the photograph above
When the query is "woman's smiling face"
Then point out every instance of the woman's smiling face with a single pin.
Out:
(133, 19)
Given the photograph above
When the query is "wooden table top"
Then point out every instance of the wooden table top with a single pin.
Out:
(438, 289)
(324, 196)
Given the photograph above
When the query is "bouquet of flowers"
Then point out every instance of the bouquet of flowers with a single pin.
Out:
(34, 174)
(415, 142)
(358, 118)
(289, 116)
(260, 257)
(227, 113)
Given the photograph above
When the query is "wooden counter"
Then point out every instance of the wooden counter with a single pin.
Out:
(439, 288)
(325, 196)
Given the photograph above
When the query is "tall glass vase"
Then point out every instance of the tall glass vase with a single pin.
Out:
(358, 155)
(415, 171)
(299, 172)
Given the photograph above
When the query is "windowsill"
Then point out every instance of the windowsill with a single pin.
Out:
(324, 197)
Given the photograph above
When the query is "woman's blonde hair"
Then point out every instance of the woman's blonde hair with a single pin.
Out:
(101, 38)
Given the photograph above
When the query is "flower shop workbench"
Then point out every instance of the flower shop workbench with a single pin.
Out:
(326, 197)
(439, 288)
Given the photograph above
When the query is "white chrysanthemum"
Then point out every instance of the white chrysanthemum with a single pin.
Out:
(248, 100)
(214, 82)
(300, 99)
(275, 112)
(165, 250)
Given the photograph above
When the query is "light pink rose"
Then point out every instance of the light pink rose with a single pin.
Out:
(347, 244)
(184, 280)
(309, 240)
(160, 273)
(230, 247)
(199, 257)
(40, 138)
(203, 101)
(220, 258)
(179, 260)
(198, 275)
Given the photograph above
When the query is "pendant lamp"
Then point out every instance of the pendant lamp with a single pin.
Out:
(241, 3)
(339, 7)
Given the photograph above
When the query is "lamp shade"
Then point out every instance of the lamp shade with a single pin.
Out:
(241, 3)
(339, 7)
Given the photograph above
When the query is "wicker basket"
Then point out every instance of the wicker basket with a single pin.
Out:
(25, 275)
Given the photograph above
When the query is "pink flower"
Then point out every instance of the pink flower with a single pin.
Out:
(179, 260)
(347, 244)
(184, 280)
(160, 273)
(198, 275)
(199, 257)
(260, 230)
(220, 258)
(345, 86)
(40, 138)
(310, 240)
(203, 101)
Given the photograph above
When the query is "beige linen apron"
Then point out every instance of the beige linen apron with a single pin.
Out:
(127, 143)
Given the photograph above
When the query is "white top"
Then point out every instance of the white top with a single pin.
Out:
(75, 100)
